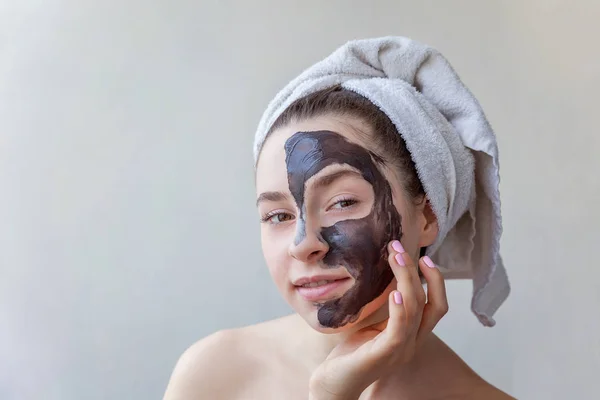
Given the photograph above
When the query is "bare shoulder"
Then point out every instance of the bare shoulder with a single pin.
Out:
(449, 377)
(223, 364)
(489, 392)
(207, 366)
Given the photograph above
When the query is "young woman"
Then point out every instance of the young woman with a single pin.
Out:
(354, 212)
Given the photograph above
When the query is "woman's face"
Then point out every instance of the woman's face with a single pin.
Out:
(329, 208)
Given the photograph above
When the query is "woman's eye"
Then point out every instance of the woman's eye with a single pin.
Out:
(344, 204)
(278, 218)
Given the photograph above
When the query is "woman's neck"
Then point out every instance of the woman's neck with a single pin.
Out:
(431, 348)
(321, 344)
(378, 319)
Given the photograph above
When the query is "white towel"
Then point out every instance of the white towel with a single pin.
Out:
(449, 138)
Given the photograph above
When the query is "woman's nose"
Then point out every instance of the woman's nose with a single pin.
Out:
(309, 246)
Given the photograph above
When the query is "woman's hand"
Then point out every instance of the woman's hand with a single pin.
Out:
(372, 352)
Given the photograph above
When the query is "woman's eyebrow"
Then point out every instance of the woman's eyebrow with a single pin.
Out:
(271, 196)
(326, 180)
(320, 182)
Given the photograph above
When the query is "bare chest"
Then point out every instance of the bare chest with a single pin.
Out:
(278, 383)
(292, 384)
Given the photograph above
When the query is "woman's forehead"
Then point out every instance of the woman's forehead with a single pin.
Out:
(271, 169)
(351, 128)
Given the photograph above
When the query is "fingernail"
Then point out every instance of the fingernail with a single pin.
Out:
(428, 261)
(396, 245)
(397, 297)
(400, 260)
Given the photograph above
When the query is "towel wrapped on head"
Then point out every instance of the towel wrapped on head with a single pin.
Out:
(450, 140)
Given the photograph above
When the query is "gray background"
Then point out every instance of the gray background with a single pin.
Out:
(127, 221)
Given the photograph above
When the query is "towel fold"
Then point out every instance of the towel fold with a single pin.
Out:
(450, 141)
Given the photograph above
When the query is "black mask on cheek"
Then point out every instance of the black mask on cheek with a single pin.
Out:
(359, 245)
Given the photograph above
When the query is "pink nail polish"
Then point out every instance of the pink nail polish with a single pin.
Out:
(397, 297)
(400, 260)
(428, 262)
(396, 245)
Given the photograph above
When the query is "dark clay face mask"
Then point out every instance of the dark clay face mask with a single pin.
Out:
(359, 245)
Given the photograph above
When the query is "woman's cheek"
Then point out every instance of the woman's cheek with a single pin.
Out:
(410, 238)
(276, 252)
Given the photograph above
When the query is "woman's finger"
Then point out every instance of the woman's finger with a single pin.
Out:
(437, 301)
(396, 331)
(404, 269)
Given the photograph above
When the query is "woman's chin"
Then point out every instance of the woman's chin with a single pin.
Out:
(313, 320)
(372, 313)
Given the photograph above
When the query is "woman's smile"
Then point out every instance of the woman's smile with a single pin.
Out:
(323, 288)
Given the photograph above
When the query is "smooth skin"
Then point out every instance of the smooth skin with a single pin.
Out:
(390, 352)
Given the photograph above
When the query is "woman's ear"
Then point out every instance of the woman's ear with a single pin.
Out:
(428, 224)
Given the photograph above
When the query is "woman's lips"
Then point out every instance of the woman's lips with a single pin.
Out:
(325, 291)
